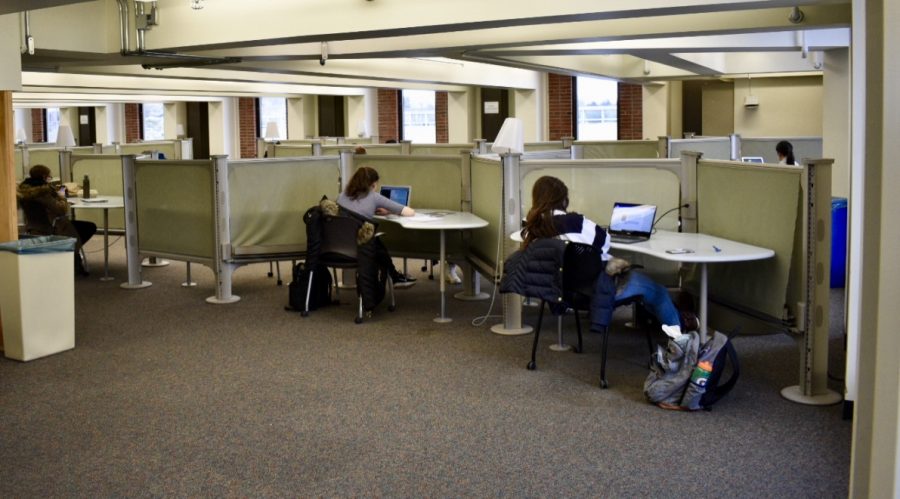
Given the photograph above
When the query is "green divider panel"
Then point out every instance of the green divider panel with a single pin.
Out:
(268, 198)
(711, 147)
(176, 207)
(335, 149)
(487, 203)
(757, 205)
(46, 157)
(105, 173)
(382, 149)
(166, 147)
(19, 165)
(542, 146)
(594, 188)
(419, 149)
(619, 149)
(293, 151)
(436, 183)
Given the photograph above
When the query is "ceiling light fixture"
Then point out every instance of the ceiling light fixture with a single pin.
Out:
(196, 4)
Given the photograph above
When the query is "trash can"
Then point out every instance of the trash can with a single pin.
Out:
(838, 242)
(37, 297)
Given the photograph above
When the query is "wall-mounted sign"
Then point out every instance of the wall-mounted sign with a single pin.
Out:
(491, 107)
(83, 119)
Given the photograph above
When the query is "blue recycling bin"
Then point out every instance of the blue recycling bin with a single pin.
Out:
(838, 242)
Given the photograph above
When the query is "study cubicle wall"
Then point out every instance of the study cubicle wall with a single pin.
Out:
(292, 150)
(49, 157)
(176, 209)
(437, 183)
(419, 149)
(169, 148)
(371, 149)
(764, 147)
(758, 205)
(267, 200)
(543, 146)
(622, 149)
(105, 174)
(710, 147)
(487, 203)
(19, 164)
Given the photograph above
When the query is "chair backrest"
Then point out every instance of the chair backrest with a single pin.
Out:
(339, 238)
(582, 265)
(37, 221)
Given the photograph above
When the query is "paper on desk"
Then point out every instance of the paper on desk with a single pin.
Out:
(426, 217)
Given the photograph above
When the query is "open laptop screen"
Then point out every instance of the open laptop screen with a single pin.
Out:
(632, 219)
(753, 159)
(397, 193)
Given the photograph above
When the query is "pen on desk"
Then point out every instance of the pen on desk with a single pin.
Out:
(716, 248)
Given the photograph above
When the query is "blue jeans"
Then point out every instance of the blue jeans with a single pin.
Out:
(654, 296)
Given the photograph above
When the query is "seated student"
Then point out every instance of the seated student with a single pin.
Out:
(548, 218)
(36, 192)
(363, 198)
(785, 151)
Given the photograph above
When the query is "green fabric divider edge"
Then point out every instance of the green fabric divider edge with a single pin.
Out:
(105, 174)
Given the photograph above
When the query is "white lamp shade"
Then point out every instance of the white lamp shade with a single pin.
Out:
(179, 130)
(64, 137)
(511, 138)
(20, 135)
(272, 130)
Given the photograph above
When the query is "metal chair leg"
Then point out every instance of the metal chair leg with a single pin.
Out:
(603, 382)
(269, 274)
(390, 285)
(537, 333)
(278, 272)
(580, 347)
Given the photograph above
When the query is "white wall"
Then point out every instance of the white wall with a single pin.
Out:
(301, 116)
(460, 121)
(655, 110)
(790, 106)
(174, 113)
(526, 105)
(223, 127)
(355, 116)
(10, 58)
(836, 118)
(676, 110)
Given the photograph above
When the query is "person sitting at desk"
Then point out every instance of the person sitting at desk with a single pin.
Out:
(363, 198)
(785, 152)
(46, 212)
(548, 218)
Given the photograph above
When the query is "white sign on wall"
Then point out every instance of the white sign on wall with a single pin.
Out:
(492, 107)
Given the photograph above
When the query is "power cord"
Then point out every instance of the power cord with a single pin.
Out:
(480, 320)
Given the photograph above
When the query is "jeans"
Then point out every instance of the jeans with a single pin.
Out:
(654, 296)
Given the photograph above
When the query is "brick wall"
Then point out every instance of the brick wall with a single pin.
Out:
(388, 119)
(37, 126)
(440, 115)
(559, 91)
(133, 132)
(247, 126)
(631, 116)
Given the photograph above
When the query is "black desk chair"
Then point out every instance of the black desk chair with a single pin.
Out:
(38, 223)
(582, 266)
(339, 250)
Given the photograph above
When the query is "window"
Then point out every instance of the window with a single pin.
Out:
(272, 109)
(596, 109)
(52, 123)
(418, 116)
(153, 122)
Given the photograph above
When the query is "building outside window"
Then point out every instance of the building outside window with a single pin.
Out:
(154, 121)
(596, 109)
(52, 123)
(418, 116)
(273, 109)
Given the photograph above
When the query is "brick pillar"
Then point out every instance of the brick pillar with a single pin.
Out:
(388, 115)
(630, 111)
(37, 126)
(559, 90)
(441, 119)
(247, 126)
(133, 132)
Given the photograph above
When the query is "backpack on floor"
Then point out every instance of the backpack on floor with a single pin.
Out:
(687, 375)
(304, 295)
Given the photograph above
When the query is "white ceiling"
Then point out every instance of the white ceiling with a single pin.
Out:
(278, 44)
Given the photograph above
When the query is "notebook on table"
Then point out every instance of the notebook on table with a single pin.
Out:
(631, 223)
(397, 193)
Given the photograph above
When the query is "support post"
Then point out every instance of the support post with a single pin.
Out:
(132, 251)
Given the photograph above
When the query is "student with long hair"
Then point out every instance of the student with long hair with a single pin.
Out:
(785, 151)
(548, 217)
(362, 197)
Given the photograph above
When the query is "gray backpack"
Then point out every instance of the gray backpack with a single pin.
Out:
(687, 374)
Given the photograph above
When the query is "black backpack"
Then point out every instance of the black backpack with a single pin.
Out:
(687, 375)
(304, 295)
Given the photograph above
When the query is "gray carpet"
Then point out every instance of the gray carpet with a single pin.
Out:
(166, 395)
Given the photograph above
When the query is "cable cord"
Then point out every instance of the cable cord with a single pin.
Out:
(480, 320)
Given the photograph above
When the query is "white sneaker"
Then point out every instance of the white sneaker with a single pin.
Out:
(452, 276)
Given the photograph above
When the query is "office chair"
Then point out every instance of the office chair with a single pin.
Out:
(582, 266)
(38, 223)
(339, 250)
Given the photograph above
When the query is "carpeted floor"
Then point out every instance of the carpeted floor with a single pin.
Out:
(166, 395)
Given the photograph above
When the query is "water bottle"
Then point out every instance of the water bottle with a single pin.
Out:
(701, 373)
(86, 187)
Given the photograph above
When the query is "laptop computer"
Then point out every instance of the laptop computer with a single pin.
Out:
(753, 159)
(631, 223)
(398, 193)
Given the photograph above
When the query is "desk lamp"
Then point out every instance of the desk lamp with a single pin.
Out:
(64, 137)
(510, 139)
(21, 138)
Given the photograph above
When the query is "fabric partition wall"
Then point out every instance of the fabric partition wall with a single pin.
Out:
(804, 147)
(46, 157)
(608, 149)
(371, 149)
(105, 173)
(164, 147)
(438, 149)
(268, 199)
(19, 167)
(710, 147)
(543, 146)
(292, 151)
(487, 195)
(436, 183)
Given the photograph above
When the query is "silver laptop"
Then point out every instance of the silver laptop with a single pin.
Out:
(631, 223)
(398, 193)
(753, 159)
